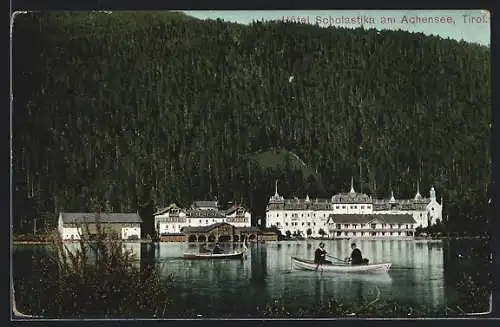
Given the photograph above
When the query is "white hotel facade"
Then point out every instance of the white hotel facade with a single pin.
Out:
(353, 214)
(172, 219)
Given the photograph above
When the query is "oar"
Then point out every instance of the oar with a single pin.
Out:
(335, 258)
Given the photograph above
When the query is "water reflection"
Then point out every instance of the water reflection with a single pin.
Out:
(422, 273)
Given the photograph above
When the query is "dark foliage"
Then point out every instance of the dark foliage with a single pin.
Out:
(127, 109)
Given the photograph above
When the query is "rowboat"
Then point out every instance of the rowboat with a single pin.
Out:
(304, 264)
(208, 256)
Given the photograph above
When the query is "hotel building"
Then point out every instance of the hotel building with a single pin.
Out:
(353, 214)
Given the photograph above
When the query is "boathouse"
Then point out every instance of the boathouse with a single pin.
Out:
(220, 232)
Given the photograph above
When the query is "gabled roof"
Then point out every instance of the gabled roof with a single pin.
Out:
(233, 209)
(205, 204)
(351, 197)
(167, 209)
(366, 219)
(88, 217)
(203, 229)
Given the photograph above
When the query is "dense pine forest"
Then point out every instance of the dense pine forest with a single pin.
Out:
(133, 111)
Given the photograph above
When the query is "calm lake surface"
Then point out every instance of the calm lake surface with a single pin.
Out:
(423, 273)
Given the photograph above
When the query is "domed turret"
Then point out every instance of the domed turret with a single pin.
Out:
(433, 193)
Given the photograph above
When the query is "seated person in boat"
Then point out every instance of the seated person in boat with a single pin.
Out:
(320, 254)
(217, 249)
(356, 257)
(204, 248)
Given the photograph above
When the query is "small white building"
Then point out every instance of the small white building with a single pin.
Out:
(72, 225)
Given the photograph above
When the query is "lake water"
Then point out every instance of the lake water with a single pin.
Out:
(423, 273)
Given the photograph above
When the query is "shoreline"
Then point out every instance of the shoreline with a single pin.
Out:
(37, 242)
(417, 238)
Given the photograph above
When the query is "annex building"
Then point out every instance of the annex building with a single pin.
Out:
(353, 214)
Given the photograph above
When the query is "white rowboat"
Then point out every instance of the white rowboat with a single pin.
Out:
(209, 256)
(304, 264)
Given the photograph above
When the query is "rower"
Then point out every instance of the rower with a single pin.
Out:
(217, 249)
(204, 248)
(320, 254)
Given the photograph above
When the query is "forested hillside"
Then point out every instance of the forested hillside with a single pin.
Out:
(124, 110)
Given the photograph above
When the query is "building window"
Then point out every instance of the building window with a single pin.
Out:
(308, 224)
(277, 224)
(354, 233)
(383, 233)
(362, 225)
(374, 234)
(302, 224)
(346, 225)
(200, 221)
(399, 226)
(337, 207)
(339, 233)
(343, 207)
(432, 209)
(337, 226)
(355, 207)
(406, 226)
(373, 226)
(345, 233)
(286, 224)
(206, 221)
(362, 233)
(391, 226)
(354, 226)
(362, 207)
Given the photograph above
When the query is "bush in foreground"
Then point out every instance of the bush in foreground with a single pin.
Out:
(99, 279)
